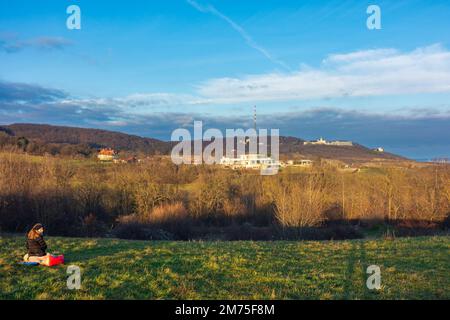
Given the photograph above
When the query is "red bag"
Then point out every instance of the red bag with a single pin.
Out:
(55, 260)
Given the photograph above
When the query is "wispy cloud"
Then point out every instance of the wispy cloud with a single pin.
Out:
(57, 43)
(242, 32)
(138, 104)
(12, 44)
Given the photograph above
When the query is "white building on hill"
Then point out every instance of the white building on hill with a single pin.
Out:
(324, 142)
(250, 161)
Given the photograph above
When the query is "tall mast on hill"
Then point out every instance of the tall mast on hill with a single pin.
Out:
(254, 118)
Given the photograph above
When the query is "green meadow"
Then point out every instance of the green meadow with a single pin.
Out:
(411, 268)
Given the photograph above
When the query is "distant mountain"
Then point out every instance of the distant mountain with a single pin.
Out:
(58, 136)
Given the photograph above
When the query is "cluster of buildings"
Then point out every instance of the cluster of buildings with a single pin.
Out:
(322, 141)
(297, 163)
(261, 162)
(250, 161)
(110, 155)
(247, 161)
(441, 160)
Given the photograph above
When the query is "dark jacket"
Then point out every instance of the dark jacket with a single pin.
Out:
(36, 247)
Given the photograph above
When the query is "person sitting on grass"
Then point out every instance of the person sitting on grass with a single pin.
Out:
(36, 246)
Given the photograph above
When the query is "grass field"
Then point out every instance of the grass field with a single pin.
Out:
(411, 268)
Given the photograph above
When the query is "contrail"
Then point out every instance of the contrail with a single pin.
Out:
(248, 39)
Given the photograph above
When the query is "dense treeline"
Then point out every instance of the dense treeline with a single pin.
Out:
(159, 200)
(22, 144)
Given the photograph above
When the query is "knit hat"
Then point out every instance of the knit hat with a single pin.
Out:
(38, 226)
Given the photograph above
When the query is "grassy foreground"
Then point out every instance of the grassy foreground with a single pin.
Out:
(413, 268)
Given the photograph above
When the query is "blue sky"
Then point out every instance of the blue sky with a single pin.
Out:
(312, 68)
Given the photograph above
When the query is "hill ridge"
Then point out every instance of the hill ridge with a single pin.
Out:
(99, 138)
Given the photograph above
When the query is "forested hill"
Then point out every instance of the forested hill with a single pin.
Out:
(92, 138)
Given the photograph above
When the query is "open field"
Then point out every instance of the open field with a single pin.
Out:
(411, 268)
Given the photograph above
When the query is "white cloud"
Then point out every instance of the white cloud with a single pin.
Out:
(371, 73)
(362, 73)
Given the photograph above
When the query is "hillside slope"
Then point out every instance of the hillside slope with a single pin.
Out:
(95, 139)
(357, 152)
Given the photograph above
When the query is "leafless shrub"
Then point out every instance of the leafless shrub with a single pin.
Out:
(300, 203)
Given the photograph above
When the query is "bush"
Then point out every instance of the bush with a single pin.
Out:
(167, 221)
(300, 203)
(168, 213)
